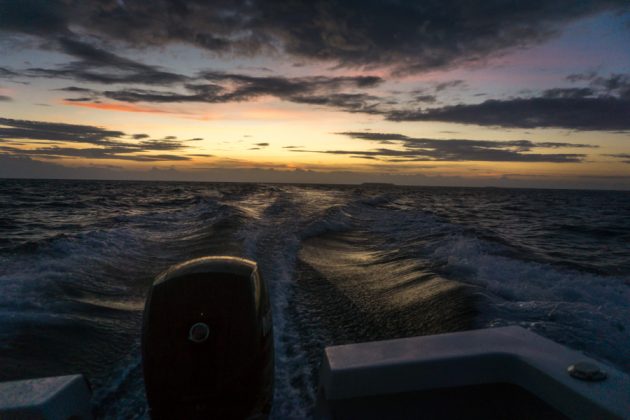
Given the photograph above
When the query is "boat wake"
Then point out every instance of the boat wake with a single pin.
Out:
(343, 265)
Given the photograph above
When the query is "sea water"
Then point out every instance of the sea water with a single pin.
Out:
(343, 263)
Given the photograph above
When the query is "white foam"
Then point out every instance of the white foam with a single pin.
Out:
(25, 279)
(272, 237)
(585, 310)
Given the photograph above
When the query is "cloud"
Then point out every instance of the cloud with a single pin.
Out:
(606, 113)
(407, 36)
(439, 87)
(75, 89)
(108, 152)
(615, 84)
(295, 89)
(97, 65)
(4, 98)
(568, 93)
(37, 17)
(39, 130)
(262, 144)
(418, 36)
(6, 73)
(625, 157)
(79, 71)
(426, 98)
(603, 105)
(351, 102)
(216, 87)
(80, 99)
(422, 149)
(40, 139)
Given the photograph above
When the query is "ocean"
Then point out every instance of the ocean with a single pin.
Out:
(343, 263)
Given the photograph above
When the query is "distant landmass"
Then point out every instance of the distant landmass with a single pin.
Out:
(377, 184)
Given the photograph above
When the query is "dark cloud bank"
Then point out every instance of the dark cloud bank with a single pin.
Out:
(606, 113)
(96, 65)
(604, 104)
(423, 150)
(625, 157)
(408, 35)
(102, 143)
(230, 87)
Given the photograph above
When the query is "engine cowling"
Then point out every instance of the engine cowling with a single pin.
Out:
(207, 342)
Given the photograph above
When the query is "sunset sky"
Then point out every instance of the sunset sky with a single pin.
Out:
(442, 92)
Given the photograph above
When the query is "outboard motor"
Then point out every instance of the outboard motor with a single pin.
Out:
(207, 342)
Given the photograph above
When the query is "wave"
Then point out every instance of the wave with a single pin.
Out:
(82, 275)
(569, 303)
(586, 311)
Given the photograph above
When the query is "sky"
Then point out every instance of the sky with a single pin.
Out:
(519, 93)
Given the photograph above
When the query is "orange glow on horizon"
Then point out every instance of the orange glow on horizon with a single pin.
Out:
(109, 106)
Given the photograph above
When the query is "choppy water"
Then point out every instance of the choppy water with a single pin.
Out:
(343, 263)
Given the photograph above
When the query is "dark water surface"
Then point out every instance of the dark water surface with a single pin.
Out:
(343, 263)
